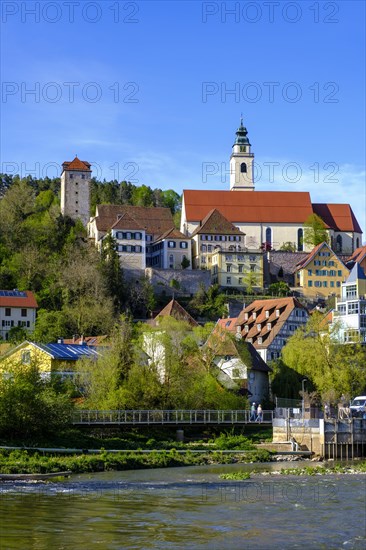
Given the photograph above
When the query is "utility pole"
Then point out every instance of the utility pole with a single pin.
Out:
(303, 399)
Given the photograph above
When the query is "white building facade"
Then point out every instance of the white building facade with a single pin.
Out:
(17, 309)
(349, 316)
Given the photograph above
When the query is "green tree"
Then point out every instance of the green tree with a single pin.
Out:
(315, 231)
(288, 247)
(143, 196)
(251, 279)
(50, 326)
(314, 352)
(210, 303)
(112, 271)
(171, 200)
(30, 408)
(279, 289)
(185, 263)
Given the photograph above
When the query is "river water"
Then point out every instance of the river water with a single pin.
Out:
(188, 508)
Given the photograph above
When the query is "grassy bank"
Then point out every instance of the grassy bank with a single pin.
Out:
(355, 468)
(16, 462)
(150, 438)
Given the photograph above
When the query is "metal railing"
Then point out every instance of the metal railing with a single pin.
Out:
(177, 417)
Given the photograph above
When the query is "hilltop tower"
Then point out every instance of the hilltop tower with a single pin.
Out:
(75, 190)
(241, 162)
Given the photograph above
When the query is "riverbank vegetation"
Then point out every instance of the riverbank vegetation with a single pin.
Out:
(331, 369)
(24, 462)
(354, 468)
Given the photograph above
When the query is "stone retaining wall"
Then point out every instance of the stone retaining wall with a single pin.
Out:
(185, 282)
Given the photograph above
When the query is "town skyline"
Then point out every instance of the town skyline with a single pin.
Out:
(166, 116)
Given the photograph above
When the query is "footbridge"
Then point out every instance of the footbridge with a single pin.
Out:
(167, 417)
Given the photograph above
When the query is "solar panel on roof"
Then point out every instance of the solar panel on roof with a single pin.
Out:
(13, 293)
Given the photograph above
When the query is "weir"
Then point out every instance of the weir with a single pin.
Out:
(330, 439)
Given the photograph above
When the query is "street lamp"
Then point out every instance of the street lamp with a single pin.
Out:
(303, 400)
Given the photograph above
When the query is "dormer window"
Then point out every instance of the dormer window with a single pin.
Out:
(269, 326)
(277, 312)
(267, 313)
(245, 316)
(254, 315)
(260, 340)
(246, 328)
(259, 326)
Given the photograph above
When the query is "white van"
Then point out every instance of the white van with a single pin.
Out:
(358, 406)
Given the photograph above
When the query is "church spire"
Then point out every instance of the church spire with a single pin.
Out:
(241, 161)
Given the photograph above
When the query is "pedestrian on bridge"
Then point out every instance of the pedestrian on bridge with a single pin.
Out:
(259, 414)
(253, 412)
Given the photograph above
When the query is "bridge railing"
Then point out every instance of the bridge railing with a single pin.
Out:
(167, 417)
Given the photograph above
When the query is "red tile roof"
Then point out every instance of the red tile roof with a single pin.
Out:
(339, 217)
(249, 206)
(229, 324)
(126, 222)
(173, 234)
(267, 207)
(259, 308)
(88, 340)
(155, 220)
(358, 255)
(174, 309)
(76, 164)
(26, 299)
(215, 222)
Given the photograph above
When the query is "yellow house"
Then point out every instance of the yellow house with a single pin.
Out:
(49, 358)
(321, 273)
(242, 269)
(219, 246)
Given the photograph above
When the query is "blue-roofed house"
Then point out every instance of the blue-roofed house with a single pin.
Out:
(349, 316)
(50, 358)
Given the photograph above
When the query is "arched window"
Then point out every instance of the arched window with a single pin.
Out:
(300, 243)
(243, 168)
(268, 236)
(339, 243)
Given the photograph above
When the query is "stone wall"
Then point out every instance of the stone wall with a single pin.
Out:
(331, 439)
(284, 263)
(309, 438)
(185, 282)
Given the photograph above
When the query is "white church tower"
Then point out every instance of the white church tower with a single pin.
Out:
(75, 190)
(241, 162)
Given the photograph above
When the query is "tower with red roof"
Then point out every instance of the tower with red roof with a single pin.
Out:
(75, 189)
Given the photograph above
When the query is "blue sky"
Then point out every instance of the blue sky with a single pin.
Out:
(153, 91)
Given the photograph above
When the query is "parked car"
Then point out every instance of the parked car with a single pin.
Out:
(358, 407)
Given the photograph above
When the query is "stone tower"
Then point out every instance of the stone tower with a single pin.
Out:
(75, 190)
(241, 162)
